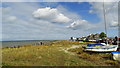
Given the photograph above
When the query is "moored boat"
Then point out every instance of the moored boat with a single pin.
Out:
(100, 47)
(116, 55)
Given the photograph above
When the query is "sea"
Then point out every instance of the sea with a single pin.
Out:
(25, 42)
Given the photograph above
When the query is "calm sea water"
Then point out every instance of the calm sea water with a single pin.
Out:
(20, 43)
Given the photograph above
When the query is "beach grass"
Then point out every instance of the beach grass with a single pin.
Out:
(55, 54)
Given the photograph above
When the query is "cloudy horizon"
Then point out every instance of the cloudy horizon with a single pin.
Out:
(57, 20)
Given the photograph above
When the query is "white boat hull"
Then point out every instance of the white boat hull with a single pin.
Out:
(101, 49)
(116, 55)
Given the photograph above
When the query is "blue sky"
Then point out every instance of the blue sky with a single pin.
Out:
(56, 20)
(82, 9)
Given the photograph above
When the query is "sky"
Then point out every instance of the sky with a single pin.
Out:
(56, 20)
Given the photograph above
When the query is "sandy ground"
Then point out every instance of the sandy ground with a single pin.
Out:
(66, 49)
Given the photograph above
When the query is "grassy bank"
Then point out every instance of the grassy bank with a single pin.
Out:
(55, 54)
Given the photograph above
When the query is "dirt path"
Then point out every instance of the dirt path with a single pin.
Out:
(72, 47)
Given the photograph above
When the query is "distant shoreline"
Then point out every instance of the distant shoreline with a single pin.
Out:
(26, 42)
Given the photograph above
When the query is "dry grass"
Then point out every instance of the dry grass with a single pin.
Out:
(104, 59)
(65, 43)
(51, 55)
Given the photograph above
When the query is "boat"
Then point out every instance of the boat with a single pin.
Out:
(100, 47)
(116, 56)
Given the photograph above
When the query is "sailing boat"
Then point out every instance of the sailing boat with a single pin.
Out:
(101, 47)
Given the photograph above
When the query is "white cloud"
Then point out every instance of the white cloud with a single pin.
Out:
(111, 12)
(114, 24)
(18, 24)
(72, 15)
(10, 19)
(81, 24)
(50, 14)
(90, 11)
(24, 26)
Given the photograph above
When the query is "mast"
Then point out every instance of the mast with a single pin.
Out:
(105, 20)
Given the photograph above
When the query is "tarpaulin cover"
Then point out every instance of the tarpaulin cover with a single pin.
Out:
(115, 52)
(91, 44)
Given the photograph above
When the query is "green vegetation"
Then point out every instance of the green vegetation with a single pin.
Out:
(56, 54)
(102, 35)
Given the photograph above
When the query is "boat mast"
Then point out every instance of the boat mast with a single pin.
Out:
(105, 20)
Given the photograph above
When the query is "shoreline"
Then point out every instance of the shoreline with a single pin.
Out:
(28, 42)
